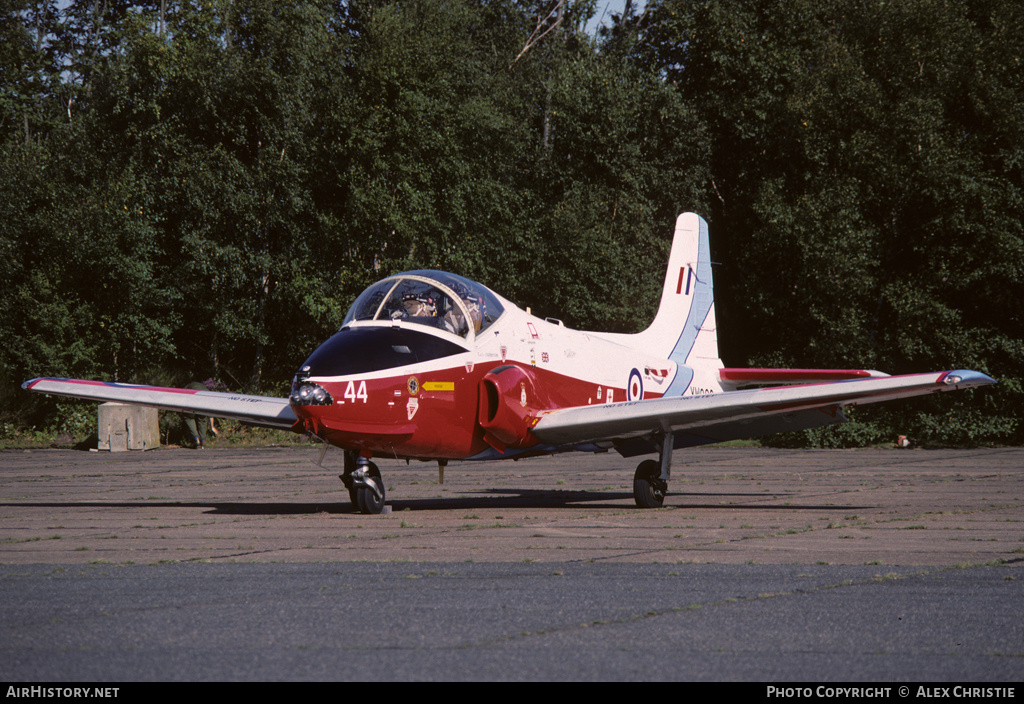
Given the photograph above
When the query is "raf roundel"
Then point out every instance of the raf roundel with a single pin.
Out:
(635, 388)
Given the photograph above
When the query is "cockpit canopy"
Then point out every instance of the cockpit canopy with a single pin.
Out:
(431, 298)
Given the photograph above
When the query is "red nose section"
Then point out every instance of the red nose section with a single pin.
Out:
(417, 415)
(352, 427)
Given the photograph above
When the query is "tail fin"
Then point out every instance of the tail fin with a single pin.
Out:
(684, 329)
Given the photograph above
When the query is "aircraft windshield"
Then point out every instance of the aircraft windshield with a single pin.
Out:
(431, 298)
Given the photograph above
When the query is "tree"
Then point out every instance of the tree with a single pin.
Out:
(626, 156)
(202, 188)
(860, 156)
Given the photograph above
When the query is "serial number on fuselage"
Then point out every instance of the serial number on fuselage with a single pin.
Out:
(697, 391)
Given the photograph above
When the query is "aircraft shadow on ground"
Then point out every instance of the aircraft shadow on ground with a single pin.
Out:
(541, 498)
(487, 499)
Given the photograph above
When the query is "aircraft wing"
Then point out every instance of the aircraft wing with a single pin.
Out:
(698, 420)
(266, 411)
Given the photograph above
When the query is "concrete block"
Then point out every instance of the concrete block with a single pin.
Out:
(123, 426)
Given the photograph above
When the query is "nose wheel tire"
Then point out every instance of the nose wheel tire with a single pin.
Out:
(367, 501)
(367, 492)
(648, 487)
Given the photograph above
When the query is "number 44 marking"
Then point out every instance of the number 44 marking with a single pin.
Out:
(353, 395)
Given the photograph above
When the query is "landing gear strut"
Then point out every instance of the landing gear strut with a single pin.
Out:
(364, 483)
(650, 483)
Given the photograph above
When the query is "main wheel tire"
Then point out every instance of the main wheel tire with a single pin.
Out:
(365, 499)
(648, 489)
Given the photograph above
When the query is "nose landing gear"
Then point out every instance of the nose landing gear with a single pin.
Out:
(364, 483)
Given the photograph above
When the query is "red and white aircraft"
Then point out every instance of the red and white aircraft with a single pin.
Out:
(432, 366)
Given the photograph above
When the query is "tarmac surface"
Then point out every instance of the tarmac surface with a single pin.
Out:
(764, 565)
(750, 506)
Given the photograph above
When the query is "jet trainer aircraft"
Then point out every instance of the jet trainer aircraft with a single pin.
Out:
(432, 366)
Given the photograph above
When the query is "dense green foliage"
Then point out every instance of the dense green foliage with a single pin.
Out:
(193, 190)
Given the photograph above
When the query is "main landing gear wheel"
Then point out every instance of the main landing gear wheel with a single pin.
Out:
(368, 490)
(648, 487)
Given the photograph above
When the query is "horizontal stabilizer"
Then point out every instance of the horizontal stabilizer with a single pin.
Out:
(266, 411)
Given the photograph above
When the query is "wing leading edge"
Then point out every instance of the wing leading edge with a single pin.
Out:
(266, 411)
(739, 414)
